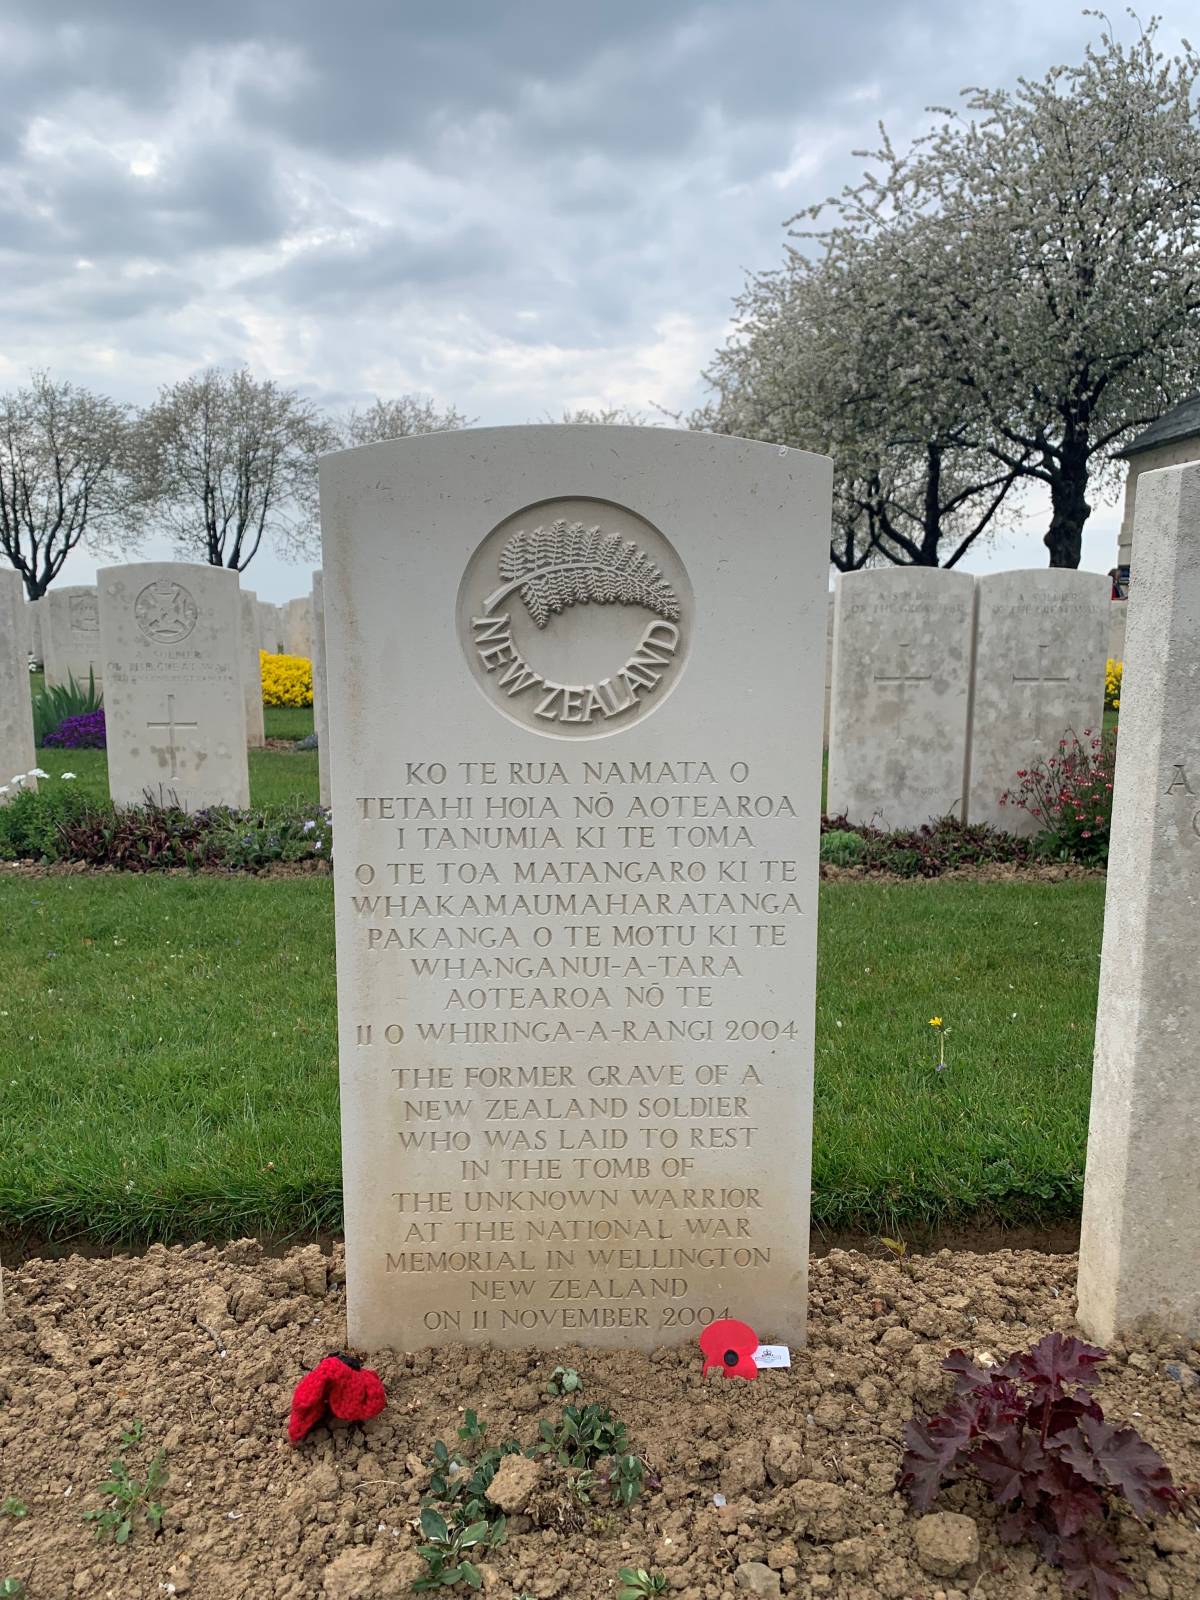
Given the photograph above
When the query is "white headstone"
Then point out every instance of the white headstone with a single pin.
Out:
(901, 695)
(320, 687)
(34, 612)
(1040, 654)
(829, 662)
(16, 715)
(1118, 613)
(268, 627)
(71, 635)
(174, 709)
(252, 671)
(1139, 1253)
(298, 623)
(576, 759)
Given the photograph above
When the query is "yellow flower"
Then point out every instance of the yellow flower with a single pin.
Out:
(286, 680)
(935, 1022)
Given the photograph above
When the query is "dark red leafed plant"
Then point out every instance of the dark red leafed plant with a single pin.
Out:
(1032, 1431)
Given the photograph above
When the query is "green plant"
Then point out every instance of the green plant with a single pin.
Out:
(626, 1478)
(57, 701)
(636, 1583)
(127, 1497)
(564, 1380)
(33, 822)
(445, 1550)
(584, 1435)
(13, 1589)
(10, 1506)
(842, 848)
(472, 1430)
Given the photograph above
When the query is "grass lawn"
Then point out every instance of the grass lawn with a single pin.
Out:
(170, 1066)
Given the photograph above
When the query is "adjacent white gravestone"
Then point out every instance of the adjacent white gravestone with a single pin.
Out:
(174, 709)
(34, 612)
(1040, 654)
(320, 678)
(829, 662)
(16, 713)
(71, 635)
(251, 671)
(901, 696)
(1139, 1253)
(1118, 613)
(576, 758)
(299, 628)
(268, 628)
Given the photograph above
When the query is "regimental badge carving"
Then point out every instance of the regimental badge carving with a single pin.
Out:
(83, 613)
(165, 611)
(564, 643)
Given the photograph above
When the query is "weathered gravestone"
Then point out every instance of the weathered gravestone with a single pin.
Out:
(320, 687)
(16, 714)
(174, 709)
(901, 695)
(1041, 648)
(71, 635)
(576, 758)
(1139, 1254)
(251, 671)
(268, 628)
(829, 663)
(34, 614)
(298, 639)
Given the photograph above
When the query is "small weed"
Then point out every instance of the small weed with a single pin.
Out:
(10, 1506)
(472, 1430)
(564, 1380)
(13, 1589)
(446, 1547)
(898, 1249)
(636, 1583)
(127, 1497)
(584, 1435)
(627, 1479)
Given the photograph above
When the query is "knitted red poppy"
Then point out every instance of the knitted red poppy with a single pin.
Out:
(338, 1386)
(729, 1346)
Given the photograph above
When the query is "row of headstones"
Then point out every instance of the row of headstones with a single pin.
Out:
(945, 686)
(175, 648)
(428, 1200)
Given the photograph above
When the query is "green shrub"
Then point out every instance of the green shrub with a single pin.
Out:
(56, 702)
(841, 848)
(32, 822)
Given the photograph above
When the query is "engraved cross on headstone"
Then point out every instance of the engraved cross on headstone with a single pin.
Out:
(1036, 680)
(172, 727)
(901, 681)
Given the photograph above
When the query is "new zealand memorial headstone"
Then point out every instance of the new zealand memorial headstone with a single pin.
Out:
(576, 761)
(901, 696)
(320, 677)
(174, 708)
(1041, 648)
(71, 635)
(251, 671)
(16, 714)
(1139, 1252)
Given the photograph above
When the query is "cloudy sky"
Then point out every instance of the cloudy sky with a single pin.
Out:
(512, 207)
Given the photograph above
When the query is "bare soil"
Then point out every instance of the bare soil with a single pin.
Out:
(204, 1345)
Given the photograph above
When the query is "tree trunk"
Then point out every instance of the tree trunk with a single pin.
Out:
(1069, 505)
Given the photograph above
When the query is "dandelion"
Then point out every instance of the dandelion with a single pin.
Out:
(935, 1022)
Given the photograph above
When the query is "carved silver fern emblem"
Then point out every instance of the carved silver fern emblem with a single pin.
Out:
(568, 564)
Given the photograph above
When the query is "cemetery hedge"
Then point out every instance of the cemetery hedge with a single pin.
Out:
(171, 1071)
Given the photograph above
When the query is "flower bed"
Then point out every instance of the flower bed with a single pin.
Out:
(286, 680)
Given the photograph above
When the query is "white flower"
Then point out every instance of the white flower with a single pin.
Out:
(36, 772)
(18, 778)
(66, 775)
(3, 788)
